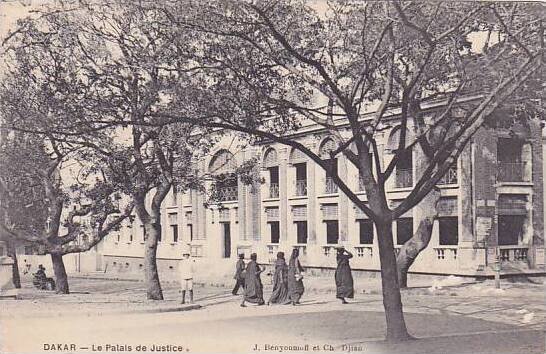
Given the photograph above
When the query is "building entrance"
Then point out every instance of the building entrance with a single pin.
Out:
(226, 232)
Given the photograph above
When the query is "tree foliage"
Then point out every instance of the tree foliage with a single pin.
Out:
(433, 71)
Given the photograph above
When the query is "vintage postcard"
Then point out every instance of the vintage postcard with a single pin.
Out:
(272, 176)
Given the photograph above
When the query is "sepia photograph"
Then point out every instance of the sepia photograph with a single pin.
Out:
(272, 176)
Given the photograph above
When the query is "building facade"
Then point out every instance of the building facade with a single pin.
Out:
(491, 208)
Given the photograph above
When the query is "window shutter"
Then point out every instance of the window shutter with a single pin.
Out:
(329, 211)
(299, 212)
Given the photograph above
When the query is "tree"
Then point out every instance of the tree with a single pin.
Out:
(41, 199)
(103, 69)
(37, 205)
(262, 68)
(264, 64)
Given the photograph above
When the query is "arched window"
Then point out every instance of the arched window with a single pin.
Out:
(327, 146)
(271, 164)
(296, 156)
(404, 167)
(223, 167)
(394, 139)
(222, 162)
(270, 158)
(298, 160)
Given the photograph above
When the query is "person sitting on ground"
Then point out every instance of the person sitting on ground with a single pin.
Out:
(41, 281)
(253, 283)
(186, 271)
(40, 273)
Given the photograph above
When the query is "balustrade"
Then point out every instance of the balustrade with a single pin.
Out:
(509, 254)
(364, 251)
(404, 178)
(330, 186)
(226, 194)
(273, 190)
(511, 172)
(450, 176)
(445, 252)
(301, 188)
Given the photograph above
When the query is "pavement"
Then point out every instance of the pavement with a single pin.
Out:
(466, 318)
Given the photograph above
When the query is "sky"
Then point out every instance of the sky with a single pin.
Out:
(11, 11)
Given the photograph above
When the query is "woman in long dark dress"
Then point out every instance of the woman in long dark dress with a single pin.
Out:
(344, 278)
(253, 284)
(280, 281)
(295, 279)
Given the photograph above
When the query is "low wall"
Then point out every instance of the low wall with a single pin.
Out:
(6, 279)
(73, 263)
(206, 270)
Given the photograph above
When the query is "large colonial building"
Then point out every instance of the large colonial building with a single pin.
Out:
(491, 208)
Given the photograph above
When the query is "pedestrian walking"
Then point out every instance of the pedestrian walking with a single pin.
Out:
(295, 278)
(343, 276)
(279, 294)
(239, 274)
(254, 290)
(186, 270)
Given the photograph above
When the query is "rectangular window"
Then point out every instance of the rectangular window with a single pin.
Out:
(332, 167)
(190, 231)
(366, 232)
(449, 230)
(174, 195)
(332, 231)
(174, 232)
(404, 170)
(143, 233)
(273, 182)
(274, 174)
(172, 219)
(301, 171)
(301, 231)
(404, 230)
(275, 232)
(509, 150)
(510, 229)
(1, 251)
(29, 250)
(301, 179)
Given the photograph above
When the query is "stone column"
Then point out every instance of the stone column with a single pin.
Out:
(343, 204)
(283, 156)
(536, 250)
(312, 204)
(470, 254)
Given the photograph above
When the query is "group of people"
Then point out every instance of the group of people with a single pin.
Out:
(288, 279)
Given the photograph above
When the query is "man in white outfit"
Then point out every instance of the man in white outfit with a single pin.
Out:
(186, 270)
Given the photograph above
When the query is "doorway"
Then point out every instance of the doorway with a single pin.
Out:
(226, 231)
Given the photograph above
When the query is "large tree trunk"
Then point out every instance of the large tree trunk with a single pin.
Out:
(15, 267)
(151, 275)
(392, 300)
(421, 238)
(61, 279)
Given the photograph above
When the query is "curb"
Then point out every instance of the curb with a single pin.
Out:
(168, 309)
(116, 312)
(104, 278)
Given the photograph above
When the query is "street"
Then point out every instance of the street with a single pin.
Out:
(463, 322)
